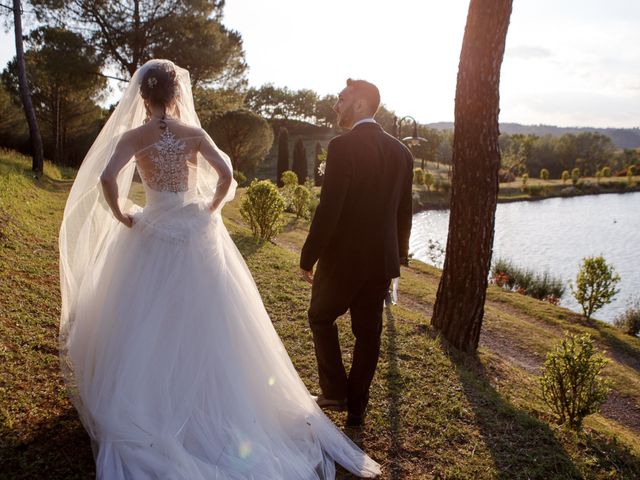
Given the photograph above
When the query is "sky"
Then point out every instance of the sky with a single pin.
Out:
(567, 63)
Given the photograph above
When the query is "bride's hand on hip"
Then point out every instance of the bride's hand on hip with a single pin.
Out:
(127, 220)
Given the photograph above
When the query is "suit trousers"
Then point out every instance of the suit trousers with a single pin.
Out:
(331, 297)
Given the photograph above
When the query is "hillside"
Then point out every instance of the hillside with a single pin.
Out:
(621, 137)
(434, 413)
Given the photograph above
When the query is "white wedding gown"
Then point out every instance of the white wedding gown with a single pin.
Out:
(178, 369)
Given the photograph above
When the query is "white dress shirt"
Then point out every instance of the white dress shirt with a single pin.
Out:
(364, 120)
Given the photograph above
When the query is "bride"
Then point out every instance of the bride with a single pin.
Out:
(171, 359)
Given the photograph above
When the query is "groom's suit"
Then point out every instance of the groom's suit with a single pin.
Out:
(358, 235)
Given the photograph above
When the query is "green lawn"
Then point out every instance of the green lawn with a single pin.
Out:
(434, 413)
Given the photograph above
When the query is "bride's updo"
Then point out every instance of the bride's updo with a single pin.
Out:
(159, 85)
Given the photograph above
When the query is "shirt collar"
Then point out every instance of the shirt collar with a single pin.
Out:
(364, 120)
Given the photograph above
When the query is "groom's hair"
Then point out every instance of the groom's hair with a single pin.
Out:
(366, 91)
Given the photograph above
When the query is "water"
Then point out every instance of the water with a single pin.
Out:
(554, 235)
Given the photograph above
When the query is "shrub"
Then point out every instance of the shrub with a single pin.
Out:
(571, 383)
(239, 177)
(505, 176)
(544, 286)
(525, 179)
(599, 176)
(575, 175)
(289, 181)
(565, 176)
(629, 320)
(595, 285)
(544, 174)
(536, 190)
(445, 186)
(418, 176)
(630, 181)
(262, 208)
(606, 171)
(428, 180)
(301, 201)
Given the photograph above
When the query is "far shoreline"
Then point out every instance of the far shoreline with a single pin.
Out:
(424, 200)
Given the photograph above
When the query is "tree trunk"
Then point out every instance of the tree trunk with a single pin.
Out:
(37, 151)
(459, 307)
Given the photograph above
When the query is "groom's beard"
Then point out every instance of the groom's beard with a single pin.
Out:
(345, 118)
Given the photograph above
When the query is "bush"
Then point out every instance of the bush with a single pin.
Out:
(629, 320)
(606, 171)
(595, 285)
(575, 175)
(630, 181)
(262, 208)
(536, 190)
(301, 200)
(428, 180)
(599, 176)
(239, 177)
(571, 383)
(418, 176)
(565, 176)
(544, 174)
(289, 181)
(506, 176)
(544, 286)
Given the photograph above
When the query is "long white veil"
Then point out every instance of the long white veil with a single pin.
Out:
(88, 224)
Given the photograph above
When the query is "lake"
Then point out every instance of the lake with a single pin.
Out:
(554, 235)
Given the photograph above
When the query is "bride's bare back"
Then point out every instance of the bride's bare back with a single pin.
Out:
(165, 152)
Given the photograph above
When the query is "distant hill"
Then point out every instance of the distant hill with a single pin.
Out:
(622, 137)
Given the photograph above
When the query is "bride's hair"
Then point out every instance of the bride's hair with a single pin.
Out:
(159, 85)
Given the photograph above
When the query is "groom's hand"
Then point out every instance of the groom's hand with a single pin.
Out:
(307, 276)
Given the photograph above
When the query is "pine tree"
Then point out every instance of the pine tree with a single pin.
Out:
(459, 306)
(300, 161)
(283, 155)
(318, 159)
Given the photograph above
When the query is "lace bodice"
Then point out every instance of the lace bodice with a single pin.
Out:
(164, 166)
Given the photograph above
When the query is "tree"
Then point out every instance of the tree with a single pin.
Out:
(37, 150)
(595, 285)
(283, 155)
(324, 113)
(459, 306)
(245, 136)
(64, 95)
(317, 177)
(130, 32)
(300, 161)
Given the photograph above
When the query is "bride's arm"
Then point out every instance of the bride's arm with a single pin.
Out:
(214, 156)
(123, 152)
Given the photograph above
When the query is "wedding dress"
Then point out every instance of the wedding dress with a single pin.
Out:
(170, 357)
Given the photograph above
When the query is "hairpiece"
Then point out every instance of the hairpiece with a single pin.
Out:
(152, 82)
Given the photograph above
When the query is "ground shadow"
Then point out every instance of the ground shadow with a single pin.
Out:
(525, 447)
(521, 445)
(246, 244)
(57, 450)
(394, 386)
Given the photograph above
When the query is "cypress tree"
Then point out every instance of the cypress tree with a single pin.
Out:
(317, 177)
(300, 161)
(283, 155)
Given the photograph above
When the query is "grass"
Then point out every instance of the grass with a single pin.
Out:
(434, 412)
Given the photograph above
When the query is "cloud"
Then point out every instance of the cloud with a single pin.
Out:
(528, 52)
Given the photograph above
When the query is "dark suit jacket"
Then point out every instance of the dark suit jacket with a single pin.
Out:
(362, 224)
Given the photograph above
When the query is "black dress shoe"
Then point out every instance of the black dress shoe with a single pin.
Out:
(330, 404)
(353, 420)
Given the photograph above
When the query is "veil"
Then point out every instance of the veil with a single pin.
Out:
(88, 224)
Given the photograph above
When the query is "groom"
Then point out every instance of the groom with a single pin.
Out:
(359, 237)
